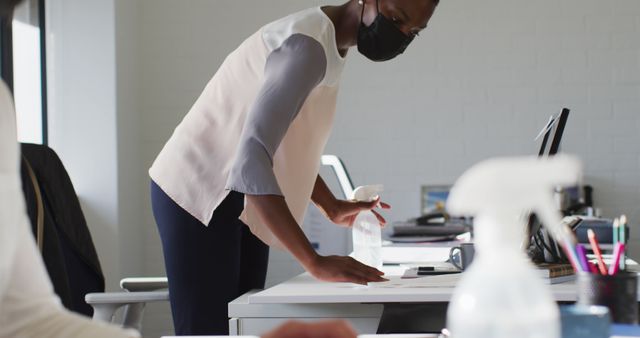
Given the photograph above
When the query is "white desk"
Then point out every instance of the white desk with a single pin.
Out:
(254, 319)
(305, 298)
(304, 289)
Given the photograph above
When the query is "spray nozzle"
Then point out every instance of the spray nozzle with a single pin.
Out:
(367, 193)
(503, 187)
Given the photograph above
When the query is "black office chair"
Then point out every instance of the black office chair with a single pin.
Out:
(67, 247)
(60, 228)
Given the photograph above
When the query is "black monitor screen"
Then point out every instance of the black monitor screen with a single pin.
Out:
(557, 136)
(556, 125)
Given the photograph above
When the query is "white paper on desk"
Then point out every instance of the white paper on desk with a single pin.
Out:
(412, 254)
(438, 281)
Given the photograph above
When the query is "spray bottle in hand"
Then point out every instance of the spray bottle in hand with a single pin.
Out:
(367, 237)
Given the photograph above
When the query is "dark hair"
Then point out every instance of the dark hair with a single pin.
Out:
(7, 6)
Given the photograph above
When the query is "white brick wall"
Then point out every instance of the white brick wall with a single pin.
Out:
(479, 82)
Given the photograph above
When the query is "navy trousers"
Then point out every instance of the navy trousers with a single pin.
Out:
(207, 267)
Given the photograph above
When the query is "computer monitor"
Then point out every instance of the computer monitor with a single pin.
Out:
(556, 126)
(557, 136)
(545, 133)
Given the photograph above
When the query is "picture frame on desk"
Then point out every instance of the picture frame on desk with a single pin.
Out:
(433, 197)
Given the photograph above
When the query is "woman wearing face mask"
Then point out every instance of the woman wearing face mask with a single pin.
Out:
(238, 172)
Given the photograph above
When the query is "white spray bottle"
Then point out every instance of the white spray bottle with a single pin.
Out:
(366, 233)
(500, 295)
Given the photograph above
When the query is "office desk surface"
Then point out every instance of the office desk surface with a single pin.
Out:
(305, 298)
(304, 289)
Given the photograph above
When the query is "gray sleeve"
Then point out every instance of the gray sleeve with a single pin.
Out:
(292, 71)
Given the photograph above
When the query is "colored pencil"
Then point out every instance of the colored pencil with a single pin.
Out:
(623, 239)
(618, 251)
(572, 255)
(596, 250)
(582, 257)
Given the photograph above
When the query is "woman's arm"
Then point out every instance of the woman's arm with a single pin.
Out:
(323, 198)
(343, 212)
(30, 308)
(273, 211)
(292, 71)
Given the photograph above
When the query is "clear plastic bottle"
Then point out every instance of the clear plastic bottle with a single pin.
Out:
(366, 233)
(501, 296)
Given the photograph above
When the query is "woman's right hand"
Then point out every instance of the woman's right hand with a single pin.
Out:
(343, 269)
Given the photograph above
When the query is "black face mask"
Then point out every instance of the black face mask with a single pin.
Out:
(382, 40)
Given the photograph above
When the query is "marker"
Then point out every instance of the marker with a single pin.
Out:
(572, 255)
(582, 257)
(596, 250)
(616, 231)
(623, 239)
(618, 251)
(593, 268)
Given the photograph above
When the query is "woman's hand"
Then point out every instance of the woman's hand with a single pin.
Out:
(343, 269)
(344, 213)
(324, 329)
(275, 213)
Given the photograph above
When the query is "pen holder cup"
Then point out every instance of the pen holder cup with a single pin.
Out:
(585, 321)
(618, 292)
(462, 256)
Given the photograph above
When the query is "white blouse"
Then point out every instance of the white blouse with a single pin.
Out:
(261, 124)
(28, 305)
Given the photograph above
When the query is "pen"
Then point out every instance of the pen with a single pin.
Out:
(623, 239)
(582, 257)
(596, 250)
(618, 251)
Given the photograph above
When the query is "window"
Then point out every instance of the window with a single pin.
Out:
(6, 52)
(24, 69)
